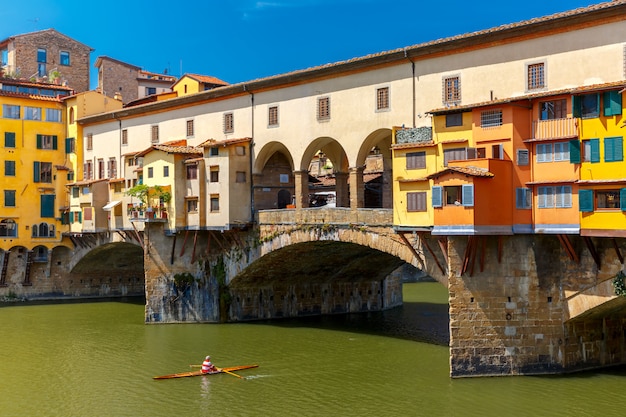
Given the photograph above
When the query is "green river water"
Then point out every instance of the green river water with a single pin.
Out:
(98, 359)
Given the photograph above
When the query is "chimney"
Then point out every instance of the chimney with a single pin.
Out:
(117, 96)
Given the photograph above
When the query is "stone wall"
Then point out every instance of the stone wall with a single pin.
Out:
(510, 317)
(116, 77)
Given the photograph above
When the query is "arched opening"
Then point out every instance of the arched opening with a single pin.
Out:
(274, 184)
(284, 199)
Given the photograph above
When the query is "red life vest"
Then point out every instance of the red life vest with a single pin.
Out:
(207, 366)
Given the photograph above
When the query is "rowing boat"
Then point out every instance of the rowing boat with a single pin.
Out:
(199, 373)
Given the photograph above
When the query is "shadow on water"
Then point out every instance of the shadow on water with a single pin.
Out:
(137, 300)
(416, 321)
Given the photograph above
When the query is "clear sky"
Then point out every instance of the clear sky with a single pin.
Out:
(242, 40)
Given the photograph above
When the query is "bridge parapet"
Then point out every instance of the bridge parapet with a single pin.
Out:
(339, 215)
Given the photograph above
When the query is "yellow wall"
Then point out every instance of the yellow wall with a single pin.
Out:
(193, 86)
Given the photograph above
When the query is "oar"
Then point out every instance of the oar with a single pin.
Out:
(230, 373)
(195, 366)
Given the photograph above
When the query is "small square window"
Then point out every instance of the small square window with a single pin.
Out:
(451, 90)
(323, 108)
(154, 133)
(64, 58)
(536, 76)
(229, 123)
(215, 203)
(189, 128)
(382, 98)
(272, 116)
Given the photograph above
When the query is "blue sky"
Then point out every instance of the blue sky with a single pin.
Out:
(242, 40)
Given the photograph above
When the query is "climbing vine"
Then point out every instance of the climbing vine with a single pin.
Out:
(619, 284)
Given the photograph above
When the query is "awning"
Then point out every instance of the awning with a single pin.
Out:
(110, 205)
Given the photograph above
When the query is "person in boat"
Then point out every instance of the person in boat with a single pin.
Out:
(207, 366)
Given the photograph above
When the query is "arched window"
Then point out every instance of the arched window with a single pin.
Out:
(35, 230)
(43, 229)
(71, 115)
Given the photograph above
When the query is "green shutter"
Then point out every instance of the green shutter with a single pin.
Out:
(39, 140)
(468, 195)
(609, 150)
(595, 150)
(437, 196)
(576, 106)
(618, 148)
(612, 103)
(36, 171)
(9, 139)
(585, 201)
(54, 142)
(47, 205)
(574, 151)
(622, 199)
(80, 217)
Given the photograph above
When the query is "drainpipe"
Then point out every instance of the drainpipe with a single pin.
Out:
(245, 88)
(406, 55)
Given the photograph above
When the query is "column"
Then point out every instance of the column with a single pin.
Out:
(357, 190)
(301, 194)
(342, 190)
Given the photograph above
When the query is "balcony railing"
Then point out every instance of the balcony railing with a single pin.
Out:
(555, 128)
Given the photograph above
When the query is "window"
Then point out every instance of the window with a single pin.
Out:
(9, 168)
(64, 58)
(47, 205)
(53, 115)
(215, 203)
(154, 133)
(550, 197)
(9, 139)
(112, 168)
(608, 199)
(43, 230)
(497, 151)
(88, 170)
(70, 145)
(71, 115)
(10, 111)
(89, 141)
(75, 192)
(150, 91)
(240, 150)
(46, 142)
(536, 76)
(561, 151)
(451, 90)
(100, 169)
(544, 152)
(125, 137)
(214, 151)
(189, 128)
(491, 118)
(42, 171)
(323, 108)
(416, 201)
(32, 113)
(41, 62)
(555, 109)
(613, 149)
(214, 174)
(8, 228)
(523, 198)
(415, 160)
(150, 172)
(455, 154)
(192, 172)
(522, 157)
(192, 205)
(455, 195)
(586, 106)
(454, 119)
(240, 176)
(272, 116)
(382, 98)
(591, 150)
(166, 171)
(9, 198)
(229, 122)
(481, 153)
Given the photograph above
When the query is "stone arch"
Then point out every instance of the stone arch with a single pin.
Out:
(119, 256)
(337, 181)
(273, 177)
(374, 158)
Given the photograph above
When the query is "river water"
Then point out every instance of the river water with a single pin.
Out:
(98, 359)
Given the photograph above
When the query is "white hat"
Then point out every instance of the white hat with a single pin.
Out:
(208, 357)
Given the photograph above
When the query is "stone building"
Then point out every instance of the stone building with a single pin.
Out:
(46, 56)
(117, 78)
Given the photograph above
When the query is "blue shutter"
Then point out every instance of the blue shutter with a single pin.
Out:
(612, 103)
(595, 150)
(47, 205)
(574, 151)
(622, 199)
(618, 148)
(54, 142)
(36, 174)
(9, 139)
(585, 201)
(468, 195)
(437, 196)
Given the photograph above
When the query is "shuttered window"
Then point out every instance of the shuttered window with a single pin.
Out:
(523, 198)
(613, 149)
(574, 151)
(437, 197)
(47, 205)
(416, 201)
(612, 103)
(468, 195)
(415, 160)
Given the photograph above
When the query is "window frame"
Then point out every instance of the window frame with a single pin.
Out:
(536, 76)
(451, 89)
(272, 116)
(228, 122)
(416, 201)
(323, 108)
(383, 102)
(415, 160)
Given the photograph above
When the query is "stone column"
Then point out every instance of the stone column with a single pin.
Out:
(301, 182)
(342, 190)
(386, 188)
(357, 190)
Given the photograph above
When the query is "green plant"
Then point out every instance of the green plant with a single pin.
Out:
(619, 284)
(139, 191)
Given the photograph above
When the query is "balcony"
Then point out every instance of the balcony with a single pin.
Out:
(555, 128)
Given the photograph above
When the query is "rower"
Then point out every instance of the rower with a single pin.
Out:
(207, 366)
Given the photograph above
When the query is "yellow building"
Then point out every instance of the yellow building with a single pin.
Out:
(36, 166)
(602, 183)
(195, 83)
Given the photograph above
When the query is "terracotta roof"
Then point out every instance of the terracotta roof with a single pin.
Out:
(443, 142)
(193, 160)
(86, 182)
(413, 145)
(570, 181)
(214, 142)
(525, 97)
(611, 181)
(207, 79)
(413, 179)
(114, 180)
(468, 170)
(172, 149)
